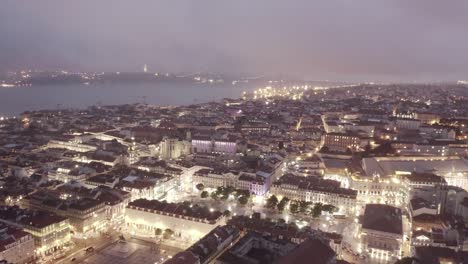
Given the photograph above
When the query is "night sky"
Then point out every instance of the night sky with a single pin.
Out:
(394, 40)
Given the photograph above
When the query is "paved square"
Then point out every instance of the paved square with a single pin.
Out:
(121, 253)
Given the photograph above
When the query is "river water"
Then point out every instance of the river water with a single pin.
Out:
(15, 100)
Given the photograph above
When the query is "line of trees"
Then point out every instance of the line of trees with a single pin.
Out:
(167, 233)
(223, 193)
(303, 207)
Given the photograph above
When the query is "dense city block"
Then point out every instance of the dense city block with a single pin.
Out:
(362, 173)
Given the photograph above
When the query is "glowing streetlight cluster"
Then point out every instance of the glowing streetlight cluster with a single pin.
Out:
(295, 92)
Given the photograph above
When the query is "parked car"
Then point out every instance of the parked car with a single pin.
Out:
(90, 249)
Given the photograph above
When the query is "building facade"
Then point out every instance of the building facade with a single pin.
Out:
(16, 246)
(144, 217)
(316, 190)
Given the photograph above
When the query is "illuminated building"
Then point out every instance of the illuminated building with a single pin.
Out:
(406, 123)
(213, 179)
(428, 118)
(307, 165)
(173, 148)
(214, 146)
(50, 231)
(144, 217)
(141, 188)
(16, 246)
(85, 215)
(438, 132)
(66, 171)
(256, 183)
(104, 157)
(341, 142)
(453, 169)
(382, 232)
(316, 190)
(72, 144)
(255, 127)
(243, 250)
(102, 180)
(208, 247)
(379, 190)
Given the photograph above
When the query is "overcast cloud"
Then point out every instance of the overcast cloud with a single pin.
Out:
(398, 40)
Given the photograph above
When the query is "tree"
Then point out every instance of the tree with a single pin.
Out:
(225, 192)
(367, 148)
(303, 206)
(239, 193)
(282, 204)
(272, 202)
(317, 211)
(227, 213)
(214, 196)
(204, 194)
(294, 208)
(329, 208)
(281, 145)
(200, 186)
(158, 231)
(229, 190)
(348, 151)
(243, 200)
(324, 149)
(168, 233)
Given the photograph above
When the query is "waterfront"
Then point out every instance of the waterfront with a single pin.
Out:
(15, 100)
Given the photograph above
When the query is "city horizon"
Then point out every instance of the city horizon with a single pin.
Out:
(253, 76)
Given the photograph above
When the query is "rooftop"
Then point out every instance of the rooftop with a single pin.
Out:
(34, 218)
(311, 249)
(9, 235)
(315, 184)
(179, 209)
(425, 177)
(390, 165)
(384, 218)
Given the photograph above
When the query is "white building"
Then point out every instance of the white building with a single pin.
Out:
(307, 165)
(147, 189)
(380, 190)
(316, 190)
(382, 232)
(420, 206)
(66, 171)
(144, 217)
(256, 183)
(16, 246)
(453, 169)
(407, 123)
(50, 231)
(214, 179)
(173, 148)
(225, 147)
(74, 145)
